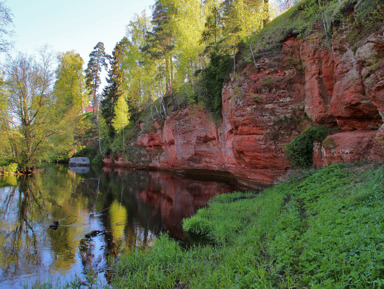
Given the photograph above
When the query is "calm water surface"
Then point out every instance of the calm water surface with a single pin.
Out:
(61, 226)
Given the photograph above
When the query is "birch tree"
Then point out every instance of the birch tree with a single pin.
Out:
(29, 106)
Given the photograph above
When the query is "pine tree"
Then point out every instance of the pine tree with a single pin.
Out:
(160, 41)
(97, 60)
(114, 89)
(212, 29)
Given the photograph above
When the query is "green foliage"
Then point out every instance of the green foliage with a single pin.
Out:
(296, 21)
(97, 160)
(364, 8)
(137, 155)
(256, 97)
(301, 20)
(115, 88)
(121, 116)
(71, 98)
(286, 125)
(213, 79)
(330, 234)
(10, 169)
(69, 89)
(300, 149)
(368, 17)
(28, 87)
(323, 231)
(4, 163)
(117, 144)
(97, 60)
(329, 143)
(267, 82)
(85, 152)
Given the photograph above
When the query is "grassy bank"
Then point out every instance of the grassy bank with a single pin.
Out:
(324, 230)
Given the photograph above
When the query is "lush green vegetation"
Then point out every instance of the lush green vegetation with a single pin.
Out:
(300, 149)
(182, 54)
(301, 20)
(323, 230)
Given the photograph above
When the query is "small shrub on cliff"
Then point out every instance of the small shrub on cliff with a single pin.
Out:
(300, 149)
(286, 125)
(368, 17)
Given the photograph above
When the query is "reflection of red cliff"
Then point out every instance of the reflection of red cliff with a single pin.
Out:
(340, 88)
(177, 198)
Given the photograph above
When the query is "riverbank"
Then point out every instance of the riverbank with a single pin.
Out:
(323, 229)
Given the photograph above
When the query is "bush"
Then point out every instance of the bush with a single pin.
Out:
(10, 169)
(213, 78)
(85, 152)
(300, 149)
(97, 160)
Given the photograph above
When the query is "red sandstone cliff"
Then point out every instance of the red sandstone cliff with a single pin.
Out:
(267, 103)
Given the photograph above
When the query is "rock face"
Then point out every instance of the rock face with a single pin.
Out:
(269, 102)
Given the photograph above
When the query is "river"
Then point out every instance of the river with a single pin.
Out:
(64, 226)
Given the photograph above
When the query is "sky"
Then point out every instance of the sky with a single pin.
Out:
(66, 25)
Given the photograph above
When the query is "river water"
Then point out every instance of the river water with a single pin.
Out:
(63, 226)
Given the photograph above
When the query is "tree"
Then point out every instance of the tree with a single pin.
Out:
(29, 105)
(97, 60)
(266, 12)
(5, 130)
(187, 24)
(115, 81)
(71, 97)
(232, 21)
(144, 72)
(70, 88)
(121, 118)
(160, 41)
(213, 27)
(6, 20)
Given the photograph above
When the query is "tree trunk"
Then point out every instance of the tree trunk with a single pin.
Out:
(266, 7)
(234, 59)
(158, 112)
(101, 152)
(168, 71)
(123, 139)
(150, 105)
(81, 96)
(163, 104)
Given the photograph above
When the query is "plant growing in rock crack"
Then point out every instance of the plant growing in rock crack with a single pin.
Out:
(287, 125)
(300, 149)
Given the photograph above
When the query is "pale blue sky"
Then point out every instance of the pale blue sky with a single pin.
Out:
(77, 25)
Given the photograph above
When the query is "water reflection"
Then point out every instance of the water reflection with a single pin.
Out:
(61, 224)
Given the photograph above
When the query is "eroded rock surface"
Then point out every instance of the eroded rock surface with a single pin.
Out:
(267, 103)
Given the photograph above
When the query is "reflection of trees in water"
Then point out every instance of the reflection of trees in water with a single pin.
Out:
(175, 198)
(21, 208)
(141, 226)
(99, 215)
(74, 202)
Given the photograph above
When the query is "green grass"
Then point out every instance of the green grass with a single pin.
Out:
(320, 231)
(305, 18)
